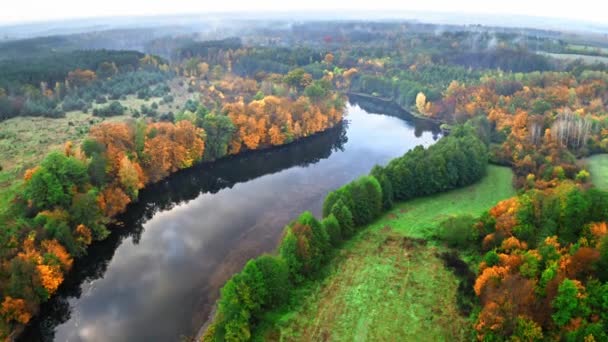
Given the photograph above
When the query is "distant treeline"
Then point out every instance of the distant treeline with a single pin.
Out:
(52, 84)
(54, 67)
(402, 86)
(207, 48)
(265, 282)
(514, 60)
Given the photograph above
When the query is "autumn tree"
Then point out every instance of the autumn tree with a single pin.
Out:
(80, 77)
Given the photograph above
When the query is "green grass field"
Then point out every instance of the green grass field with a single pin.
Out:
(387, 284)
(598, 167)
(420, 217)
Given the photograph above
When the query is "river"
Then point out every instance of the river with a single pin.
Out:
(158, 274)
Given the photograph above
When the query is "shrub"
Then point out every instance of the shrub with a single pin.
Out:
(458, 231)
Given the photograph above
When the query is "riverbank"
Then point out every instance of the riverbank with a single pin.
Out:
(175, 147)
(389, 101)
(392, 268)
(209, 220)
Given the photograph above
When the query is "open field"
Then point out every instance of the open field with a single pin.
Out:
(387, 283)
(420, 217)
(569, 56)
(25, 141)
(598, 167)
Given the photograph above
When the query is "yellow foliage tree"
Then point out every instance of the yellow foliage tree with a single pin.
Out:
(421, 103)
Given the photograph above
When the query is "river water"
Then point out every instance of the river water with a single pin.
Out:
(159, 273)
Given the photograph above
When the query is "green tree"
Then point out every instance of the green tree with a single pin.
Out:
(344, 217)
(85, 210)
(526, 330)
(288, 250)
(219, 130)
(295, 78)
(386, 186)
(573, 216)
(54, 183)
(565, 305)
(97, 169)
(57, 227)
(332, 226)
(491, 258)
(275, 274)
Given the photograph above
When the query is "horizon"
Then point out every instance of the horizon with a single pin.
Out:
(27, 12)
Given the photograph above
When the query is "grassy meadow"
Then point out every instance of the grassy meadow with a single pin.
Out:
(25, 141)
(598, 167)
(389, 283)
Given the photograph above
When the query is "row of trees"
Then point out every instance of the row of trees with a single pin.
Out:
(307, 244)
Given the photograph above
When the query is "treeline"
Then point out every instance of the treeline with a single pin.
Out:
(507, 59)
(207, 49)
(307, 244)
(279, 60)
(403, 86)
(97, 76)
(53, 68)
(544, 275)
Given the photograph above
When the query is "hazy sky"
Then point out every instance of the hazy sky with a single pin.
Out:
(14, 11)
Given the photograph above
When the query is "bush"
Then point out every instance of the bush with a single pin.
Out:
(458, 231)
(363, 197)
(71, 103)
(113, 109)
(100, 99)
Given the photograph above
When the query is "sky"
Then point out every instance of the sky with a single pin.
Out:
(18, 11)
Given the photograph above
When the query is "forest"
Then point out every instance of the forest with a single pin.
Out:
(536, 262)
(67, 201)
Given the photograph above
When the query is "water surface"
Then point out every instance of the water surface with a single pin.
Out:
(159, 273)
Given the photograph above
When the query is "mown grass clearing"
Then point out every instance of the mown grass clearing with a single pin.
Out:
(380, 290)
(571, 56)
(419, 217)
(598, 167)
(388, 283)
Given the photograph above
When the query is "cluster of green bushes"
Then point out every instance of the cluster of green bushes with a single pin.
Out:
(307, 243)
(129, 83)
(113, 109)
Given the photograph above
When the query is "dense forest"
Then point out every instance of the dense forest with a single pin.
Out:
(540, 258)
